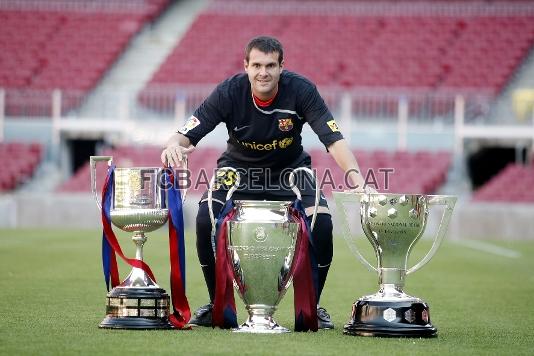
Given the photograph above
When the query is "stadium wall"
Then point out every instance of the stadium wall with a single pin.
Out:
(491, 221)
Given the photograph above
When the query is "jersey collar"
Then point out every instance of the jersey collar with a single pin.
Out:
(264, 103)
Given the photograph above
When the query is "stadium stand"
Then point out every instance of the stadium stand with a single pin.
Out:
(43, 48)
(513, 184)
(19, 162)
(405, 173)
(343, 46)
(393, 172)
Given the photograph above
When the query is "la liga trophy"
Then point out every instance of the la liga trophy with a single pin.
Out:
(138, 205)
(393, 223)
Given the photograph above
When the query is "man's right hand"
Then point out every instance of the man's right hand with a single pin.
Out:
(174, 155)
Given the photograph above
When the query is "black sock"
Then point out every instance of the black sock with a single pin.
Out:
(323, 272)
(204, 245)
(322, 247)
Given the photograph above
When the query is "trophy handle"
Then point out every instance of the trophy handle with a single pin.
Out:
(350, 197)
(228, 196)
(449, 202)
(297, 191)
(93, 160)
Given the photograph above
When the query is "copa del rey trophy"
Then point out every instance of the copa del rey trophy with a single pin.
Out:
(393, 223)
(137, 203)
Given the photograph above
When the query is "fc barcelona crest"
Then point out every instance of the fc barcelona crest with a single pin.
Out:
(285, 124)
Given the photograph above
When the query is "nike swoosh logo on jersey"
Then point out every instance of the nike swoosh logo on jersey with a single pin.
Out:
(240, 128)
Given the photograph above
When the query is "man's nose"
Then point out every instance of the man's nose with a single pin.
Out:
(263, 71)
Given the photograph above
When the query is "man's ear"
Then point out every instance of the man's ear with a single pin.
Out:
(245, 64)
(281, 65)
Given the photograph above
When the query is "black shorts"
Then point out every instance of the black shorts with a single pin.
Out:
(265, 184)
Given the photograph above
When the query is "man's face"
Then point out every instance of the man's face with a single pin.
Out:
(263, 73)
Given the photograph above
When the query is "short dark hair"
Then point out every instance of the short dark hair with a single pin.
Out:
(265, 44)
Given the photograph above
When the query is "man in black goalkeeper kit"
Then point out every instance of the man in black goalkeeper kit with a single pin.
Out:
(264, 111)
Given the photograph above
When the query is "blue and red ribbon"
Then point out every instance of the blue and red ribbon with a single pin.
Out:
(305, 274)
(181, 312)
(224, 309)
(109, 259)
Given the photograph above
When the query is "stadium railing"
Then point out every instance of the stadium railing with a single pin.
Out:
(168, 101)
(379, 7)
(136, 6)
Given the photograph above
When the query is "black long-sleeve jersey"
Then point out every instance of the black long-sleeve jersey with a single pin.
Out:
(263, 136)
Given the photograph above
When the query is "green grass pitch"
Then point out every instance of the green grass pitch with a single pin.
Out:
(52, 300)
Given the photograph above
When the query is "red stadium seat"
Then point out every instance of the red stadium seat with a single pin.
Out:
(71, 49)
(417, 51)
(513, 184)
(19, 162)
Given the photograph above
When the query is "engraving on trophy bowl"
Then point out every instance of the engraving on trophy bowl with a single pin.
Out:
(260, 234)
(393, 224)
(141, 200)
(145, 220)
(261, 267)
(137, 188)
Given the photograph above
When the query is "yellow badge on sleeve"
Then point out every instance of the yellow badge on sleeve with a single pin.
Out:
(333, 126)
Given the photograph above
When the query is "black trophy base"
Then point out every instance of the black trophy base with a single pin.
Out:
(390, 319)
(137, 308)
(110, 322)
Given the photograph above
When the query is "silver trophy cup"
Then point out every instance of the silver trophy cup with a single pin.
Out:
(139, 206)
(262, 238)
(393, 223)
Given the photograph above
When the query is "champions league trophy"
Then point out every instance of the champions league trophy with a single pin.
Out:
(393, 223)
(138, 205)
(262, 240)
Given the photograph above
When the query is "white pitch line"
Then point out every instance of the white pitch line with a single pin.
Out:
(489, 248)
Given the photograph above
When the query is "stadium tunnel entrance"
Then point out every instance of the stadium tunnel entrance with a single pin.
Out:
(487, 161)
(80, 150)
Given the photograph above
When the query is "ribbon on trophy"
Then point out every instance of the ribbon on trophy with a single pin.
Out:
(224, 309)
(110, 244)
(305, 277)
(181, 312)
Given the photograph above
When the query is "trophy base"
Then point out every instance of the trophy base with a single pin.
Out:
(264, 326)
(137, 308)
(409, 318)
(133, 323)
